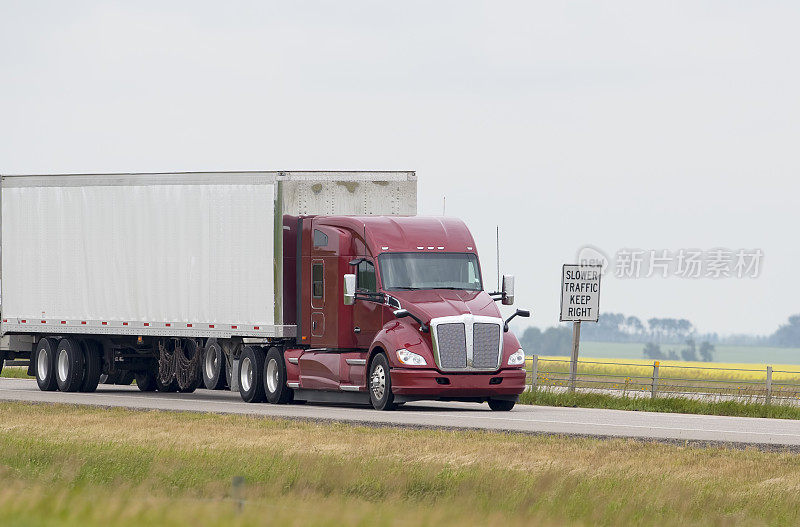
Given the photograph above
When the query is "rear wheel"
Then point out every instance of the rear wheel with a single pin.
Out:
(251, 375)
(187, 368)
(380, 384)
(146, 380)
(69, 365)
(501, 405)
(165, 369)
(275, 378)
(214, 367)
(45, 358)
(91, 361)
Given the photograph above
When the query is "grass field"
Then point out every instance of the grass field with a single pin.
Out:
(737, 354)
(17, 372)
(76, 466)
(682, 405)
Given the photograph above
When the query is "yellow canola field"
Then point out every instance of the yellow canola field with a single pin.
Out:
(710, 371)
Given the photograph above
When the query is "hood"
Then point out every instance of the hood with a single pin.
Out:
(435, 303)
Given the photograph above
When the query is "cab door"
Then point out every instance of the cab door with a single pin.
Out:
(367, 313)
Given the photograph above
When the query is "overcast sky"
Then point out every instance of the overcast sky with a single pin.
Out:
(635, 124)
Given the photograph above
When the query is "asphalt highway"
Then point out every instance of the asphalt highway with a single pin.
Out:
(770, 433)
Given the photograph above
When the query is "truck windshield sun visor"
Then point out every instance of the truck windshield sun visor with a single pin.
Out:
(412, 271)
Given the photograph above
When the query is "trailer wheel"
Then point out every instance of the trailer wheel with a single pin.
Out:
(187, 370)
(45, 358)
(69, 365)
(251, 375)
(214, 374)
(170, 387)
(91, 361)
(146, 380)
(501, 405)
(165, 370)
(380, 384)
(275, 378)
(125, 378)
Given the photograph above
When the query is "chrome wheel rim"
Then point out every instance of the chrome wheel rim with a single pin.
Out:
(272, 376)
(211, 363)
(63, 365)
(41, 364)
(378, 382)
(246, 377)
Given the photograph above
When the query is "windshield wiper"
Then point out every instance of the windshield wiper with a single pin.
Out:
(452, 288)
(406, 288)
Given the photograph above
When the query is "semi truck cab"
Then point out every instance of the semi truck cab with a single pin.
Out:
(394, 307)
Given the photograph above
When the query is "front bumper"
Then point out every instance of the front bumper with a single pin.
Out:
(431, 383)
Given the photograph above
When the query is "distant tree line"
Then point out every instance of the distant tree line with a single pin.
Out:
(705, 353)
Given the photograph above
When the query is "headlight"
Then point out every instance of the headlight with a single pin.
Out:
(517, 358)
(412, 359)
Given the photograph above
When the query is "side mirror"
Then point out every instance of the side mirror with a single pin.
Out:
(508, 290)
(518, 313)
(349, 289)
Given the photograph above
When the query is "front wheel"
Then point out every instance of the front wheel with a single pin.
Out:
(380, 384)
(501, 405)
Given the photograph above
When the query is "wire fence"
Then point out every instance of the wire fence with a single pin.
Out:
(762, 384)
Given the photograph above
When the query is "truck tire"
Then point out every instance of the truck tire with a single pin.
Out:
(214, 366)
(187, 370)
(501, 405)
(92, 366)
(275, 378)
(170, 387)
(69, 365)
(251, 375)
(146, 380)
(45, 360)
(125, 378)
(379, 384)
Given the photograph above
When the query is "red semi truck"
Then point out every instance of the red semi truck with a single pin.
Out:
(285, 286)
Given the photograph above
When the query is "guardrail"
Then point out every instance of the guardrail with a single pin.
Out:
(659, 379)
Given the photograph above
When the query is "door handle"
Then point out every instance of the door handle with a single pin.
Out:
(356, 329)
(314, 325)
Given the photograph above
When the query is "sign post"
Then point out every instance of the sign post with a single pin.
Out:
(580, 301)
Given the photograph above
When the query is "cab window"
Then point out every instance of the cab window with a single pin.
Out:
(366, 280)
(317, 284)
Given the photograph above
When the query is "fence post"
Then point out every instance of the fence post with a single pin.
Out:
(534, 371)
(769, 384)
(654, 387)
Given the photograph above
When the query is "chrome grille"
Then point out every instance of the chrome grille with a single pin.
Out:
(452, 345)
(467, 342)
(485, 343)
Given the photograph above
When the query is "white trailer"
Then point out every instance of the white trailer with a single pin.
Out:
(121, 266)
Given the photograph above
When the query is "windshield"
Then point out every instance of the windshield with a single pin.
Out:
(430, 271)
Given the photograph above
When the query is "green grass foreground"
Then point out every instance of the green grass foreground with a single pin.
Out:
(659, 404)
(79, 466)
(15, 372)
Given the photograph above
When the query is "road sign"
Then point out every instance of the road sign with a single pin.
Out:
(580, 293)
